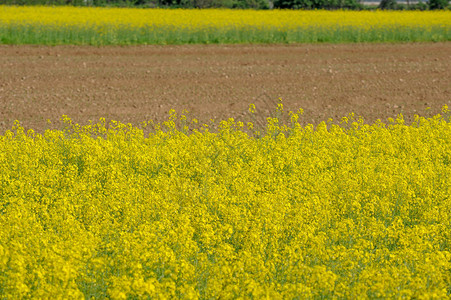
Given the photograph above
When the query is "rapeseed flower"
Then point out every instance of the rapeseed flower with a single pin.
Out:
(105, 211)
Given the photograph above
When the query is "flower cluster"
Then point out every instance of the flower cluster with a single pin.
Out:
(337, 211)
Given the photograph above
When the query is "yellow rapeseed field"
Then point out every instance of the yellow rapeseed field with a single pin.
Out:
(127, 25)
(353, 211)
(204, 19)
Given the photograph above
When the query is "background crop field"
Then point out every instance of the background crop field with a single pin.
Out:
(123, 26)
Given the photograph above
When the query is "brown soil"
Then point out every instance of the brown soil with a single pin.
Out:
(135, 84)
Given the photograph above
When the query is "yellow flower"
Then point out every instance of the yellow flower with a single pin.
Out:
(103, 211)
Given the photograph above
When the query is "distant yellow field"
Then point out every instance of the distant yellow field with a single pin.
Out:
(219, 18)
(222, 25)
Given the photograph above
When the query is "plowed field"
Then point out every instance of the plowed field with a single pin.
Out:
(134, 84)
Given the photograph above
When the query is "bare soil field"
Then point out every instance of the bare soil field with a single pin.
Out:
(135, 84)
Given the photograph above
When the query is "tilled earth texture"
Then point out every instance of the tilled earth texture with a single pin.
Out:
(135, 84)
